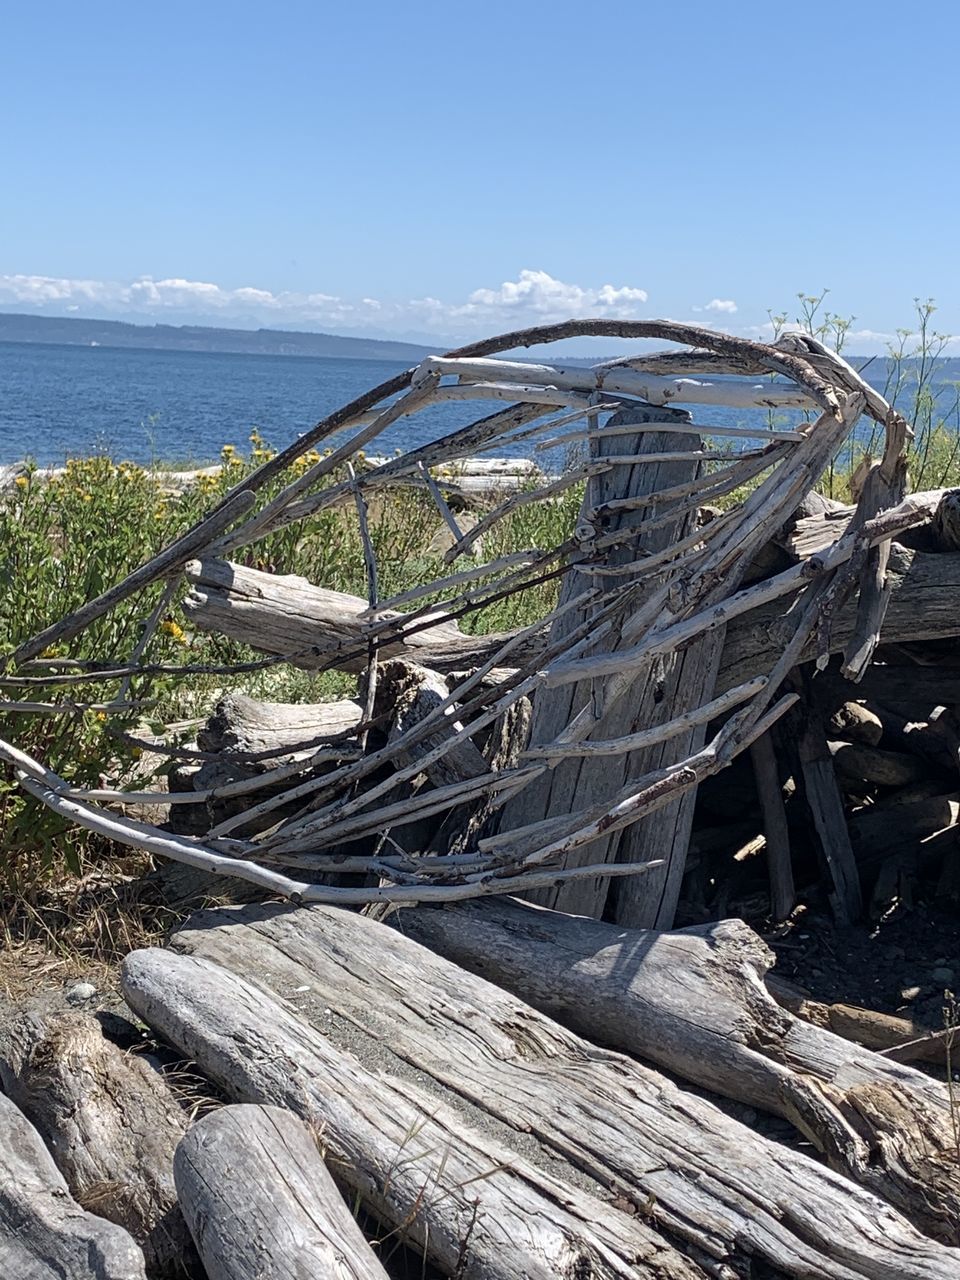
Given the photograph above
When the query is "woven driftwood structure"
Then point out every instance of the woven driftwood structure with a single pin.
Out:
(631, 706)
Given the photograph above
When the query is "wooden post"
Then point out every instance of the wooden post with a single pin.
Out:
(579, 783)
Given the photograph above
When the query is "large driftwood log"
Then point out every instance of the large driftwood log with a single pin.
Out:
(109, 1119)
(44, 1233)
(705, 1180)
(694, 1003)
(261, 1204)
(924, 591)
(316, 627)
(479, 1209)
(290, 615)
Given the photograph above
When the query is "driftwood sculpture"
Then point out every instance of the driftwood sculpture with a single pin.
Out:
(649, 675)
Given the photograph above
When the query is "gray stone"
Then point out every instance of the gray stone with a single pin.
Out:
(80, 992)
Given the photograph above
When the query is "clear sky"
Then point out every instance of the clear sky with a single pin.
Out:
(444, 170)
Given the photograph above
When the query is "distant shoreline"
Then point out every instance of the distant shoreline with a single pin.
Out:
(17, 328)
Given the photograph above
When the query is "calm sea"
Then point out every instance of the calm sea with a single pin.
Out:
(181, 407)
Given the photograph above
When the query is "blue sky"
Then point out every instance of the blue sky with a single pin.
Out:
(440, 170)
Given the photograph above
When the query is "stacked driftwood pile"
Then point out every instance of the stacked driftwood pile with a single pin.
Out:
(464, 1119)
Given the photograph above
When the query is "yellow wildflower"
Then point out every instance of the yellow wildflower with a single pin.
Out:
(101, 716)
(21, 482)
(174, 630)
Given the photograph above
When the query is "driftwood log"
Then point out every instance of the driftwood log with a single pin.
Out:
(243, 726)
(479, 1209)
(693, 1002)
(657, 693)
(711, 1185)
(109, 1119)
(44, 1233)
(261, 1204)
(317, 628)
(923, 606)
(924, 590)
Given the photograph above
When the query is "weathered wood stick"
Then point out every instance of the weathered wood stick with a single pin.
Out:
(693, 1003)
(109, 1119)
(710, 1183)
(613, 380)
(777, 836)
(44, 1233)
(480, 1210)
(261, 1204)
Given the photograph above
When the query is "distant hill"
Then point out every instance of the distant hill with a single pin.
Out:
(72, 331)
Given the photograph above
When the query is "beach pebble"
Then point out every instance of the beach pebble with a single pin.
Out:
(942, 976)
(80, 992)
(910, 993)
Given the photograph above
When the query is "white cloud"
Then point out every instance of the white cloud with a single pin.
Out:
(534, 297)
(541, 295)
(174, 297)
(725, 305)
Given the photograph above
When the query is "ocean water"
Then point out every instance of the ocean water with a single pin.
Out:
(182, 407)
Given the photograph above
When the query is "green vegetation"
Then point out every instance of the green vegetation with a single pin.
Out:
(65, 540)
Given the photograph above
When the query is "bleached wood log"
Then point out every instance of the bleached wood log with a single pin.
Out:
(706, 1181)
(922, 606)
(285, 614)
(480, 1209)
(856, 763)
(261, 1204)
(580, 782)
(109, 1119)
(693, 1003)
(241, 725)
(617, 380)
(893, 1039)
(44, 1233)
